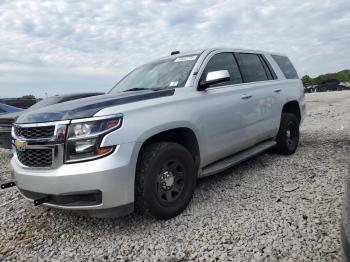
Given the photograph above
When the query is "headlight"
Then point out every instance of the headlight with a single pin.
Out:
(84, 137)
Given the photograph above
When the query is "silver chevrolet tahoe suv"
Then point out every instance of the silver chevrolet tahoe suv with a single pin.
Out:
(143, 145)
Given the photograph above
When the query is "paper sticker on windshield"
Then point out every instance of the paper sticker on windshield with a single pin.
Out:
(173, 83)
(185, 58)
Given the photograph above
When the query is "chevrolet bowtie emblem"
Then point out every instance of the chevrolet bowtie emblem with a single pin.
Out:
(20, 145)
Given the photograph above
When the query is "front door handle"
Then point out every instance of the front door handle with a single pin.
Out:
(246, 96)
(277, 90)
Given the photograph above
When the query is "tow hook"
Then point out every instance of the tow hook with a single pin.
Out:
(42, 200)
(7, 185)
(37, 202)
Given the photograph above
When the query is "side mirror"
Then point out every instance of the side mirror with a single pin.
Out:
(214, 77)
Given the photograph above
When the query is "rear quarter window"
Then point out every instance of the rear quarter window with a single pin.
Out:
(286, 66)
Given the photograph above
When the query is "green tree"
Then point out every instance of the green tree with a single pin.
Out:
(307, 80)
(341, 76)
(29, 97)
(344, 76)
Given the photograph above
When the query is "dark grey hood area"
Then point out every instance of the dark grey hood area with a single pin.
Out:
(87, 107)
(10, 116)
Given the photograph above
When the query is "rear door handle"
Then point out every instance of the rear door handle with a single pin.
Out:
(246, 96)
(277, 90)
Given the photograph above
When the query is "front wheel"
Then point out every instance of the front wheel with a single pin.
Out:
(165, 180)
(288, 135)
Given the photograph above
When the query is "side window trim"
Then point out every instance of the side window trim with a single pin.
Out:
(239, 68)
(244, 80)
(269, 67)
(228, 84)
(267, 71)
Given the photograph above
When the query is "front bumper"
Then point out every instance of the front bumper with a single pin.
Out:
(112, 176)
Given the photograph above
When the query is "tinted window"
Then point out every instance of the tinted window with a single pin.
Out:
(268, 68)
(267, 71)
(223, 61)
(286, 66)
(252, 67)
(2, 111)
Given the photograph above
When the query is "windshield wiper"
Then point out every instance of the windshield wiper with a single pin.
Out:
(136, 89)
(150, 89)
(160, 88)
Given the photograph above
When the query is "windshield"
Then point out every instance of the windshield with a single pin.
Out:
(167, 73)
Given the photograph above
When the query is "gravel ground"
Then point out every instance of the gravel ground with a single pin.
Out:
(270, 208)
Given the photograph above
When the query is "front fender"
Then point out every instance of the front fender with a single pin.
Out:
(154, 130)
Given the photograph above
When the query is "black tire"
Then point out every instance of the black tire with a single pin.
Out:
(165, 180)
(288, 135)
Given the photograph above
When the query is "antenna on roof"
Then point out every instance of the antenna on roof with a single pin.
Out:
(175, 52)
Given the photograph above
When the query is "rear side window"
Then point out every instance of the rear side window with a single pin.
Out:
(223, 61)
(252, 67)
(286, 66)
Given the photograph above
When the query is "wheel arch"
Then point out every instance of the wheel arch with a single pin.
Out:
(293, 108)
(182, 135)
(156, 133)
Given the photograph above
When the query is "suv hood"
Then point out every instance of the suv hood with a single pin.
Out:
(87, 107)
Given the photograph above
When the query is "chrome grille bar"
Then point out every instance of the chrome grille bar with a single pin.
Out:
(42, 144)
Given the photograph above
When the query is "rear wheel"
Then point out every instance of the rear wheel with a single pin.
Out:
(165, 180)
(288, 135)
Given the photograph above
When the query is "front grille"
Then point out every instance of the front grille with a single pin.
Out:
(35, 157)
(35, 132)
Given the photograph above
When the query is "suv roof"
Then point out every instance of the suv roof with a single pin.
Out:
(209, 50)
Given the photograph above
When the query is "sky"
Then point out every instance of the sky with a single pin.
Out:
(57, 47)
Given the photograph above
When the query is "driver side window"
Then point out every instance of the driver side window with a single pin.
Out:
(223, 61)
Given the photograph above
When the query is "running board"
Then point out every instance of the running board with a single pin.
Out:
(236, 159)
